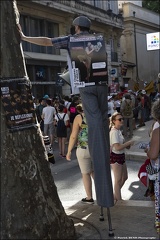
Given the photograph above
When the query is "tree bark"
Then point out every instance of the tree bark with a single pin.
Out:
(30, 206)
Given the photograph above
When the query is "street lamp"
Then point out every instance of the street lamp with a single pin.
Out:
(135, 42)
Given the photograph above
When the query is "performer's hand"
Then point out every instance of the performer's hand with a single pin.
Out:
(68, 156)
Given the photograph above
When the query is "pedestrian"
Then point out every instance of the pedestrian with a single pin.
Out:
(141, 113)
(111, 106)
(146, 104)
(117, 154)
(61, 121)
(117, 102)
(39, 108)
(48, 114)
(93, 96)
(153, 153)
(72, 110)
(80, 133)
(126, 110)
(67, 101)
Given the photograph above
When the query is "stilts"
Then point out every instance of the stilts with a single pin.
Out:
(101, 218)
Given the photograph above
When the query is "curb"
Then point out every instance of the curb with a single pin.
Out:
(71, 206)
(136, 156)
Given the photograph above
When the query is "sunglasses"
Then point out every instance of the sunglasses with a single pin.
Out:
(120, 119)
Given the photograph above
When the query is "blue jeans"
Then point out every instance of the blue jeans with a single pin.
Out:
(95, 105)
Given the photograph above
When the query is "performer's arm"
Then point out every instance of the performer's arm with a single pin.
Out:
(43, 41)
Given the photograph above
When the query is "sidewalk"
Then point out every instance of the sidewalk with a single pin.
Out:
(139, 135)
(130, 219)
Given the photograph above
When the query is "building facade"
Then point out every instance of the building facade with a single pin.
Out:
(135, 2)
(141, 65)
(53, 19)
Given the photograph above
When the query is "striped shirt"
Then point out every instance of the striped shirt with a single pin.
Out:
(61, 42)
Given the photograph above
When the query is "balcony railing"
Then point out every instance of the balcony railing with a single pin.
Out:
(114, 56)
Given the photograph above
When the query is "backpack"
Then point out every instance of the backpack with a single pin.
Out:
(61, 127)
(127, 111)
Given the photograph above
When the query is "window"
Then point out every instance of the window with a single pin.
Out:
(109, 4)
(51, 31)
(96, 3)
(25, 26)
(39, 27)
(114, 55)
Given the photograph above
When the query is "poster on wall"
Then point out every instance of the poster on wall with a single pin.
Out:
(114, 88)
(153, 41)
(89, 60)
(17, 102)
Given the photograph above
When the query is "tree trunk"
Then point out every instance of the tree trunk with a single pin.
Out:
(30, 206)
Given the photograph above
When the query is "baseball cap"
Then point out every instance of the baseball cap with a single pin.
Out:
(46, 96)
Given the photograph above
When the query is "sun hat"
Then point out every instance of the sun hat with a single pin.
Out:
(109, 97)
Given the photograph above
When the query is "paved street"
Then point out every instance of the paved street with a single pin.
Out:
(129, 218)
(68, 180)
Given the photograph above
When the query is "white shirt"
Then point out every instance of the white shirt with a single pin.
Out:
(110, 107)
(67, 104)
(117, 103)
(48, 114)
(116, 137)
(66, 118)
(156, 125)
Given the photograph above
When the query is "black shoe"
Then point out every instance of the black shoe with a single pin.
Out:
(90, 201)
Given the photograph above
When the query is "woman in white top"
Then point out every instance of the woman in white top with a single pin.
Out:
(117, 155)
(111, 106)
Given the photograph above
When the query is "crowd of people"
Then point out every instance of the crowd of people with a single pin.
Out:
(135, 108)
(51, 111)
